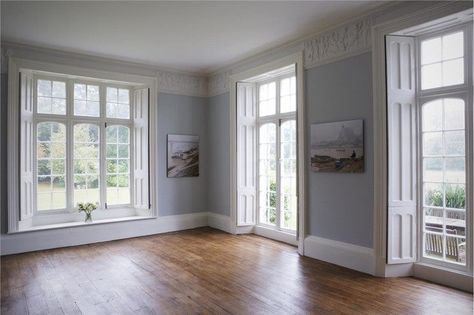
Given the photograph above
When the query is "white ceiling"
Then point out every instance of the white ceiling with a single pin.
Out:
(192, 36)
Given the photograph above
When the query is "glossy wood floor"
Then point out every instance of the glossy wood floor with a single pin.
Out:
(206, 271)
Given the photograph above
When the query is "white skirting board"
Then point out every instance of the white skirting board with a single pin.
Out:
(339, 253)
(72, 236)
(219, 221)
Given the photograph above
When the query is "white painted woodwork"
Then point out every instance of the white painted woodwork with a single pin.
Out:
(402, 156)
(26, 150)
(246, 153)
(140, 140)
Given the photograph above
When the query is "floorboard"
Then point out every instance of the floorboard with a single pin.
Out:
(205, 271)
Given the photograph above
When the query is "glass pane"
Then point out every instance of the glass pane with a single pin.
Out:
(454, 142)
(267, 104)
(58, 106)
(431, 76)
(80, 92)
(453, 46)
(288, 199)
(434, 245)
(86, 163)
(455, 196)
(50, 160)
(267, 174)
(433, 116)
(44, 88)
(112, 95)
(118, 165)
(453, 113)
(433, 194)
(453, 72)
(433, 143)
(455, 222)
(118, 103)
(456, 249)
(86, 100)
(51, 98)
(124, 97)
(288, 95)
(44, 105)
(59, 89)
(433, 170)
(433, 220)
(92, 93)
(431, 51)
(455, 170)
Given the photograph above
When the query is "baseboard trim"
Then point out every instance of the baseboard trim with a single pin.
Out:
(219, 221)
(73, 236)
(339, 253)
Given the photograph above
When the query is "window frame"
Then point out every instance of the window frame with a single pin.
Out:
(467, 60)
(459, 91)
(20, 213)
(277, 119)
(70, 120)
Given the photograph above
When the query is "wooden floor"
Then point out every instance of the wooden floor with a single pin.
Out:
(206, 271)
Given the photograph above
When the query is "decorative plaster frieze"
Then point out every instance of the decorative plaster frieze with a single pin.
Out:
(182, 84)
(341, 42)
(219, 83)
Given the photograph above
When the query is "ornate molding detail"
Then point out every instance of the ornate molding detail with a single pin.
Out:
(219, 83)
(182, 84)
(341, 42)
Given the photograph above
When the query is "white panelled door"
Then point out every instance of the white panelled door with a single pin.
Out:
(402, 166)
(246, 155)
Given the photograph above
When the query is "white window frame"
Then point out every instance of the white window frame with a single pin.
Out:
(460, 91)
(293, 59)
(277, 119)
(54, 218)
(70, 120)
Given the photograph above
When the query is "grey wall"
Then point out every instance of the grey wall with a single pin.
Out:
(340, 206)
(218, 158)
(182, 115)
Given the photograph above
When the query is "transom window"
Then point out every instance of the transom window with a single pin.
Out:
(83, 147)
(442, 61)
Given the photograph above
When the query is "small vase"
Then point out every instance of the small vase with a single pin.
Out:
(88, 218)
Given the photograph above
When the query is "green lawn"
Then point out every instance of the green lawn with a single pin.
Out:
(57, 200)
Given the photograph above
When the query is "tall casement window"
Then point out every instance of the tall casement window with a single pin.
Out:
(82, 140)
(430, 148)
(445, 130)
(276, 129)
(267, 159)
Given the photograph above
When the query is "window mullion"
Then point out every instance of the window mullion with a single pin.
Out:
(70, 146)
(102, 147)
(278, 171)
(278, 154)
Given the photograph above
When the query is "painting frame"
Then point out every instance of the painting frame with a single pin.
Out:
(338, 147)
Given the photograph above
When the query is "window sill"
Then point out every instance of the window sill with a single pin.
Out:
(82, 223)
(461, 280)
(276, 234)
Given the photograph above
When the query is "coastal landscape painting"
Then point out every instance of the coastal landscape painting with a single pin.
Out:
(338, 146)
(183, 156)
